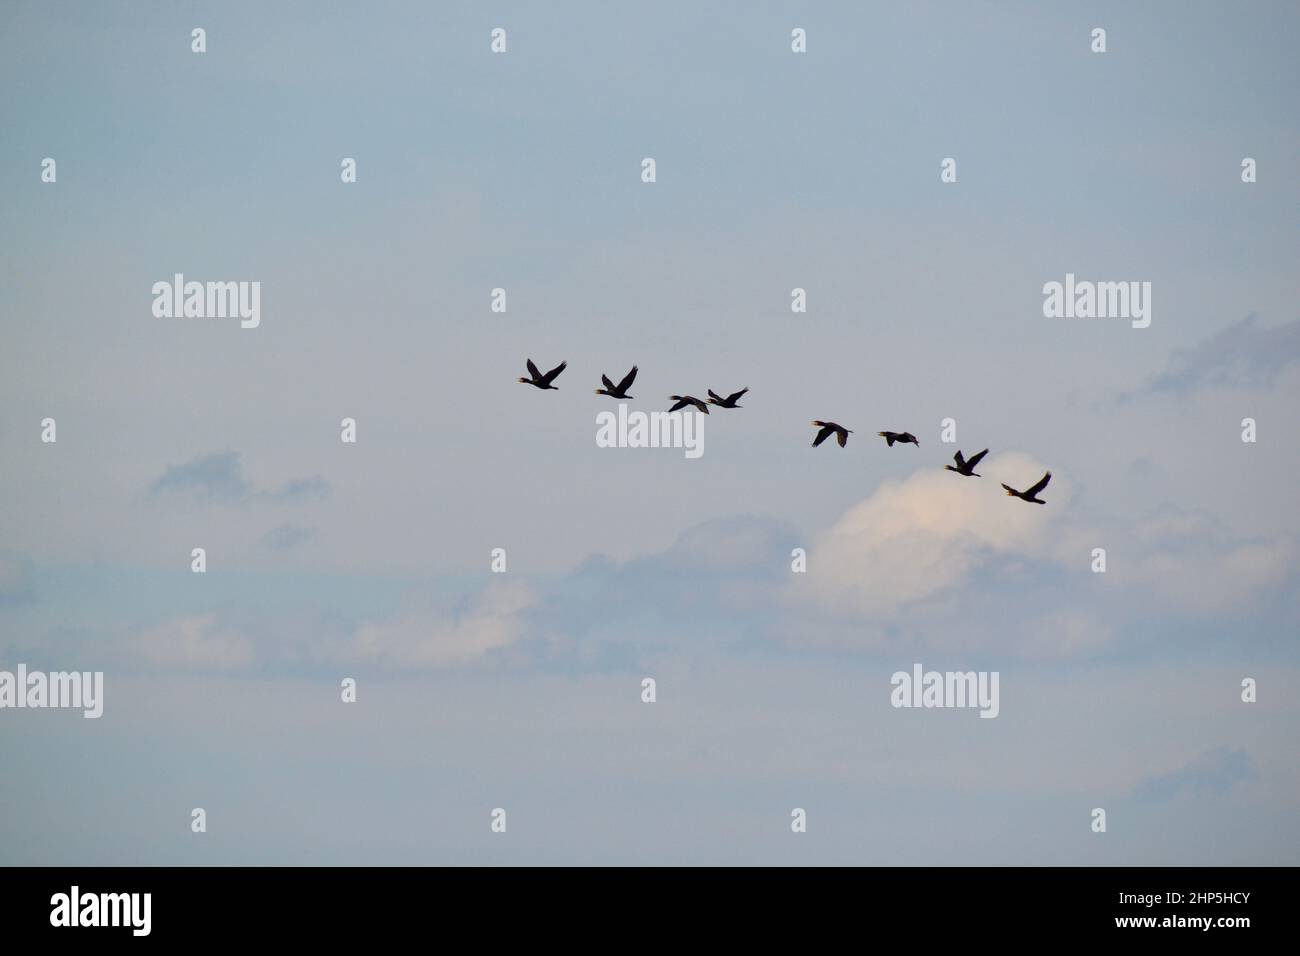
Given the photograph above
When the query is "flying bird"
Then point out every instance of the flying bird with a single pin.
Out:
(619, 390)
(830, 428)
(966, 466)
(684, 400)
(543, 381)
(729, 401)
(1029, 493)
(902, 437)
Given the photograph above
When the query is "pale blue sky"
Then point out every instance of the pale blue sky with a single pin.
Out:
(521, 690)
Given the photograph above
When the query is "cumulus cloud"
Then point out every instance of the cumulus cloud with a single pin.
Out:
(914, 539)
(195, 642)
(434, 635)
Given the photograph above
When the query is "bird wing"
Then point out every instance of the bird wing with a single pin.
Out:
(961, 462)
(698, 404)
(608, 384)
(681, 403)
(822, 435)
(554, 373)
(842, 435)
(715, 395)
(732, 399)
(1040, 486)
(628, 379)
(908, 436)
(533, 370)
(975, 459)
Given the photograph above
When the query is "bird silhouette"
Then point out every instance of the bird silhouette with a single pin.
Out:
(543, 381)
(1029, 493)
(729, 401)
(902, 437)
(619, 390)
(684, 400)
(966, 466)
(830, 428)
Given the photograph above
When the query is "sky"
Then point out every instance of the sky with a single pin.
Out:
(522, 690)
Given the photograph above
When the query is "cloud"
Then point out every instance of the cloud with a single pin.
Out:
(287, 536)
(220, 477)
(914, 539)
(301, 489)
(1245, 354)
(196, 642)
(1215, 771)
(434, 635)
(1189, 561)
(217, 476)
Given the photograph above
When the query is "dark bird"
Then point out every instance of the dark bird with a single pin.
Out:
(830, 428)
(903, 437)
(543, 381)
(1029, 493)
(966, 466)
(684, 400)
(729, 401)
(619, 390)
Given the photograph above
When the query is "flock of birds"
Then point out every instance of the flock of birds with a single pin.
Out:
(964, 466)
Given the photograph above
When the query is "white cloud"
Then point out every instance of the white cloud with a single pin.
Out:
(432, 636)
(913, 539)
(195, 642)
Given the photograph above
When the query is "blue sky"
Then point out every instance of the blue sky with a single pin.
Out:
(522, 690)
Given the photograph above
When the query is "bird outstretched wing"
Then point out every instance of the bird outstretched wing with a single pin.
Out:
(961, 462)
(550, 376)
(608, 384)
(975, 459)
(732, 399)
(533, 370)
(822, 435)
(628, 379)
(842, 435)
(714, 395)
(1042, 483)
